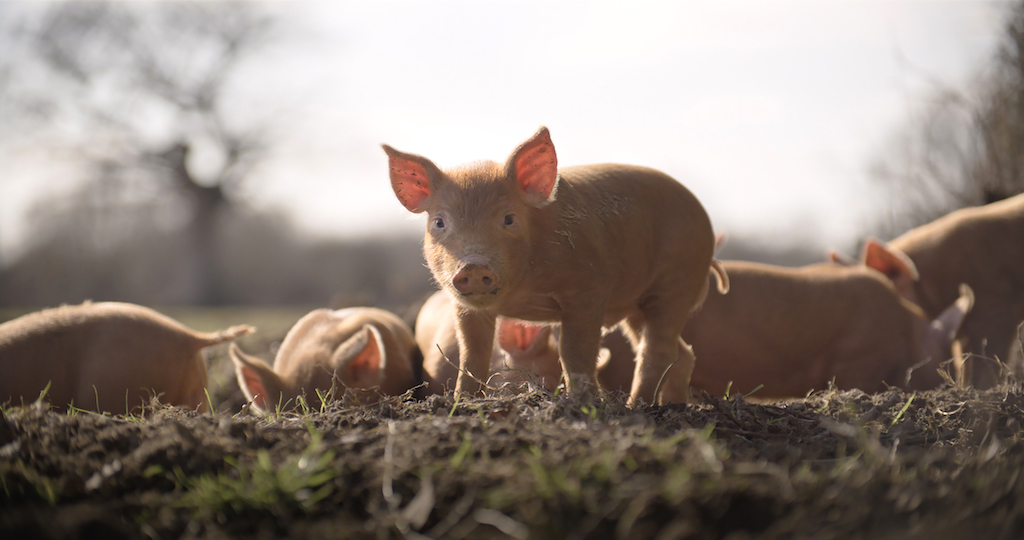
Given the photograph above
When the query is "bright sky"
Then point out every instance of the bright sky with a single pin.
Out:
(770, 112)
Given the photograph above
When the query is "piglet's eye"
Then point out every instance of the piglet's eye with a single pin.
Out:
(509, 219)
(438, 223)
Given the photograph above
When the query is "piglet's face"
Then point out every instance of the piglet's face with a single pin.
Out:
(480, 217)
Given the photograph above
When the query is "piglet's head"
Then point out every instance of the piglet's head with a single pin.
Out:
(354, 371)
(481, 217)
(896, 266)
(888, 260)
(532, 350)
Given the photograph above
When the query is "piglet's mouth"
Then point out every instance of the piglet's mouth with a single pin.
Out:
(478, 299)
(480, 295)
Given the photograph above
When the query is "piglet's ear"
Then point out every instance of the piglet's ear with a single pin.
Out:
(890, 261)
(536, 167)
(410, 178)
(514, 336)
(360, 361)
(260, 384)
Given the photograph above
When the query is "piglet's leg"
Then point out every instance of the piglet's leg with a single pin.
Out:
(475, 332)
(675, 387)
(578, 348)
(658, 350)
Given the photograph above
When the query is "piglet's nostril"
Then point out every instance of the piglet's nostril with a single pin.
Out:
(475, 279)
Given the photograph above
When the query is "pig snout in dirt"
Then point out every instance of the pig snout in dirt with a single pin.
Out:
(106, 356)
(793, 330)
(585, 247)
(523, 352)
(355, 354)
(980, 246)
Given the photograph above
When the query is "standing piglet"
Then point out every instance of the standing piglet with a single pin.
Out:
(106, 356)
(793, 330)
(982, 247)
(365, 350)
(523, 352)
(585, 246)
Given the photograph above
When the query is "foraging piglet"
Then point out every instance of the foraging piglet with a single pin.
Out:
(523, 352)
(366, 350)
(584, 246)
(105, 356)
(982, 247)
(795, 329)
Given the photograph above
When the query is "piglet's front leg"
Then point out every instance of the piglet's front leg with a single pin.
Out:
(475, 332)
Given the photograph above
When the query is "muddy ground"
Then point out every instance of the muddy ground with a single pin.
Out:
(938, 464)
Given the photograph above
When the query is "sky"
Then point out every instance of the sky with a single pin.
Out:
(771, 112)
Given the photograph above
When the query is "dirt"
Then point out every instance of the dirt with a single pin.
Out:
(938, 464)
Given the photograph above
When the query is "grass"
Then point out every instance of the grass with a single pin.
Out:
(532, 466)
(298, 483)
(45, 489)
(906, 406)
(465, 450)
(539, 468)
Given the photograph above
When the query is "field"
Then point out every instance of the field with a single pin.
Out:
(939, 464)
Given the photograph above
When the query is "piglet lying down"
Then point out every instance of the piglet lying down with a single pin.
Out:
(356, 353)
(793, 330)
(787, 331)
(981, 246)
(106, 356)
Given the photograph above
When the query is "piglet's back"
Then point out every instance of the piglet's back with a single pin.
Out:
(109, 356)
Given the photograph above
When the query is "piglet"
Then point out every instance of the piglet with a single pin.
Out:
(522, 352)
(367, 351)
(586, 247)
(982, 247)
(105, 356)
(794, 330)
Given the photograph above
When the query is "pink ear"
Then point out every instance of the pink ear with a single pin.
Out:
(252, 386)
(258, 381)
(517, 336)
(536, 167)
(890, 261)
(363, 365)
(409, 178)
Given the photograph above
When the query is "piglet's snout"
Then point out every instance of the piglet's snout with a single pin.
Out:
(476, 278)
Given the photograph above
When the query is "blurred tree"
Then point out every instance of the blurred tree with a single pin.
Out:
(967, 147)
(142, 97)
(150, 104)
(1000, 171)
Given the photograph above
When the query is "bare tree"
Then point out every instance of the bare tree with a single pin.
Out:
(141, 95)
(1000, 169)
(967, 146)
